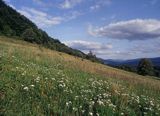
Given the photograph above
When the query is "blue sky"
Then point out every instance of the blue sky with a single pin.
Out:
(112, 29)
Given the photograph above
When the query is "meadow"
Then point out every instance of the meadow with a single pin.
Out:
(38, 81)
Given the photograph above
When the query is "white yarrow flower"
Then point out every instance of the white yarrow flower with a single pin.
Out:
(32, 85)
(26, 88)
(90, 113)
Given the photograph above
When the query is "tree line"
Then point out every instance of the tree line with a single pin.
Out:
(144, 67)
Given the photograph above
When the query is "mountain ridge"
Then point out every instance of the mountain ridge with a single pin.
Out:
(131, 62)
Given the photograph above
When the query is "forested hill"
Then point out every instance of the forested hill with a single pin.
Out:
(15, 25)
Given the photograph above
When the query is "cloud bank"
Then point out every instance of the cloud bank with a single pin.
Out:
(87, 46)
(137, 29)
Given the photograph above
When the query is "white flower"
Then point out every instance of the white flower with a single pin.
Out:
(80, 107)
(122, 113)
(90, 113)
(32, 85)
(67, 104)
(100, 102)
(83, 111)
(53, 79)
(152, 104)
(74, 109)
(97, 114)
(37, 79)
(92, 102)
(145, 113)
(26, 88)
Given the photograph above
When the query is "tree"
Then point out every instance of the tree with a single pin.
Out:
(8, 31)
(92, 57)
(29, 35)
(145, 67)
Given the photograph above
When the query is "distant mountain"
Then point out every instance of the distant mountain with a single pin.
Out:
(132, 62)
(15, 25)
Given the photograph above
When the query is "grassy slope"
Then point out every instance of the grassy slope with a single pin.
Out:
(37, 80)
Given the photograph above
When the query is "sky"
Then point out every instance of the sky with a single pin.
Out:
(111, 29)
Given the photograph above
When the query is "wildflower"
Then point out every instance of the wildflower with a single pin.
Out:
(100, 102)
(92, 102)
(26, 88)
(152, 104)
(83, 111)
(32, 85)
(74, 109)
(60, 85)
(97, 114)
(122, 113)
(37, 79)
(53, 79)
(150, 109)
(67, 104)
(90, 113)
(23, 73)
(76, 97)
(145, 113)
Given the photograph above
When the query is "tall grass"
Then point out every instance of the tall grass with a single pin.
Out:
(38, 81)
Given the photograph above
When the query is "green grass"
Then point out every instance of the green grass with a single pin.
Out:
(38, 81)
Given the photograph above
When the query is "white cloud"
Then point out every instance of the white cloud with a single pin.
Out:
(100, 3)
(137, 29)
(72, 15)
(42, 19)
(94, 7)
(44, 5)
(7, 1)
(11, 5)
(99, 49)
(86, 46)
(67, 4)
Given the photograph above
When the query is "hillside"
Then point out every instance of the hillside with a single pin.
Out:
(17, 26)
(39, 81)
